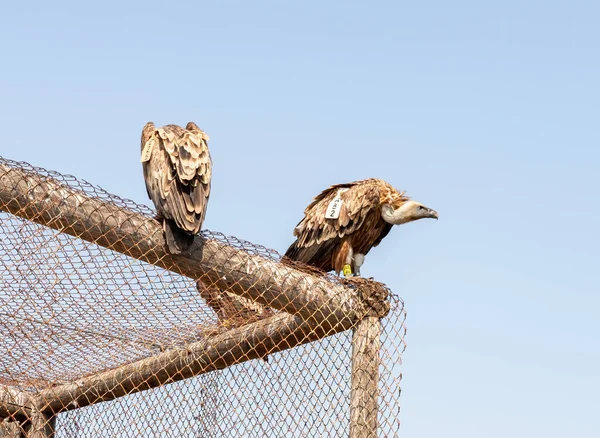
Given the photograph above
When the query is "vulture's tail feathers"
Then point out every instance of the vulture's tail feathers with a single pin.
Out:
(316, 256)
(177, 239)
(292, 251)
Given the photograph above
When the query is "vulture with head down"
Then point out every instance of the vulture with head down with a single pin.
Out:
(345, 221)
(177, 170)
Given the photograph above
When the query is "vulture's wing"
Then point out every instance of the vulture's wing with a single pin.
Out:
(177, 170)
(328, 218)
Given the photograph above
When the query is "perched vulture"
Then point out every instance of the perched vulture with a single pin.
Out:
(345, 221)
(177, 170)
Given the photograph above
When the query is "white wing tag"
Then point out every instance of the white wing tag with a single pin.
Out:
(335, 206)
(147, 151)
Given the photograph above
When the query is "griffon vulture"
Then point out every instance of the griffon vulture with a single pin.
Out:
(345, 221)
(177, 170)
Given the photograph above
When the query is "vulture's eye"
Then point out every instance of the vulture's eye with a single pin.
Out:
(421, 207)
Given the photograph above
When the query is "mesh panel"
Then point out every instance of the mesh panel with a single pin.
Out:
(106, 334)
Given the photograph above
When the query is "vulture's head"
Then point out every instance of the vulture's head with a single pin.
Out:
(407, 212)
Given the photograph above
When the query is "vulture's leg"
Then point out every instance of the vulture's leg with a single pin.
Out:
(347, 269)
(359, 259)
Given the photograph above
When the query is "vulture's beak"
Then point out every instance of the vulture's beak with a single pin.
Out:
(433, 214)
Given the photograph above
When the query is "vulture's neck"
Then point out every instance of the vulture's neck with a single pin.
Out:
(396, 217)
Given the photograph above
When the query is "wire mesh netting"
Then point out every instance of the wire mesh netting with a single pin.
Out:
(104, 333)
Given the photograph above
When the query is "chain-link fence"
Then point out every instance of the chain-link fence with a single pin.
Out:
(106, 334)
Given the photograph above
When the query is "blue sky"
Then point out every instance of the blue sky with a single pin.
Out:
(487, 112)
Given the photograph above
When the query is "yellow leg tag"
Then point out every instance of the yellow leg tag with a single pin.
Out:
(347, 270)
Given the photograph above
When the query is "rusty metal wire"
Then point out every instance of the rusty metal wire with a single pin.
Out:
(75, 312)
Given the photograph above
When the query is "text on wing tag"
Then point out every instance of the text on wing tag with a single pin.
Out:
(147, 151)
(335, 206)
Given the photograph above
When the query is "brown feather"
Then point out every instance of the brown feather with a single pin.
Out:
(340, 255)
